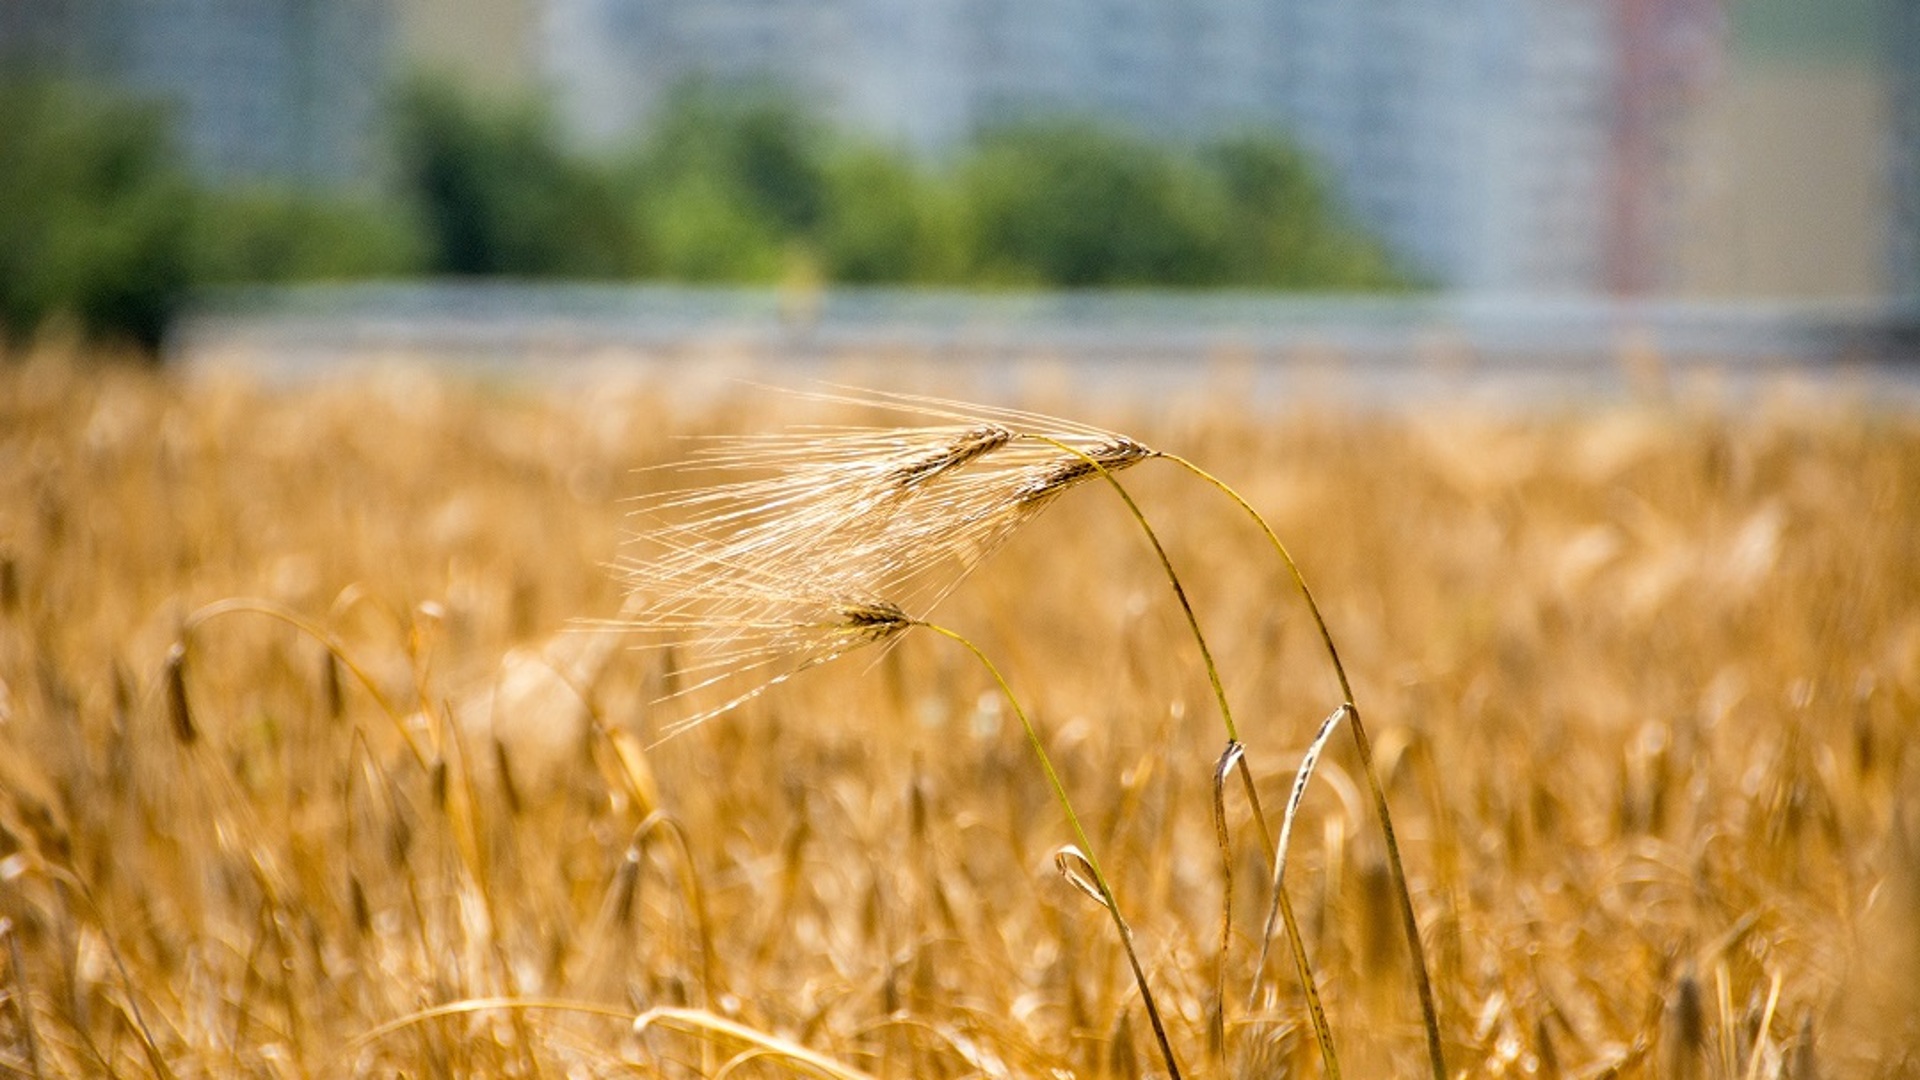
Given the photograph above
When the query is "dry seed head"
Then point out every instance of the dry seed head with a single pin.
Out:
(874, 620)
(850, 498)
(965, 447)
(1686, 1033)
(179, 711)
(761, 577)
(1549, 1057)
(503, 768)
(1123, 1062)
(123, 694)
(626, 886)
(399, 837)
(357, 902)
(1061, 475)
(9, 584)
(330, 689)
(1801, 1062)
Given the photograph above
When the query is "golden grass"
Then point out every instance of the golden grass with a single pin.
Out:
(1643, 682)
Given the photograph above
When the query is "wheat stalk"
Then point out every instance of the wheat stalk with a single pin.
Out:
(754, 572)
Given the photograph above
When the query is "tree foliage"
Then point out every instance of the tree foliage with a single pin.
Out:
(496, 193)
(734, 184)
(94, 215)
(267, 233)
(1077, 205)
(100, 227)
(1287, 231)
(887, 221)
(756, 149)
(103, 233)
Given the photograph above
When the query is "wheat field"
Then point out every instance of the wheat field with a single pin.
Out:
(318, 757)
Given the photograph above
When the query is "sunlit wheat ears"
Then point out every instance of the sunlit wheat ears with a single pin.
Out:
(765, 577)
(909, 513)
(761, 577)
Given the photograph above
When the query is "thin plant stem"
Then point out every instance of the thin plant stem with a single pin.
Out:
(1166, 564)
(1217, 1021)
(1323, 1034)
(1107, 897)
(327, 640)
(24, 1002)
(1364, 745)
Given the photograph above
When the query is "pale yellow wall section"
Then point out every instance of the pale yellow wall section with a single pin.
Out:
(487, 45)
(1791, 192)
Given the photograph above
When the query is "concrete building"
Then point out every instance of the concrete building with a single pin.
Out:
(283, 90)
(1666, 147)
(1903, 158)
(900, 70)
(1474, 137)
(1797, 178)
(486, 46)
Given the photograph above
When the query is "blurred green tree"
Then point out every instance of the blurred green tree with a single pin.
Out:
(94, 215)
(496, 193)
(747, 144)
(730, 185)
(884, 221)
(272, 234)
(100, 227)
(1074, 205)
(1286, 229)
(702, 228)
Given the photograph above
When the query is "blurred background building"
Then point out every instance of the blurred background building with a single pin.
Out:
(259, 89)
(1473, 137)
(1694, 148)
(1632, 147)
(1903, 46)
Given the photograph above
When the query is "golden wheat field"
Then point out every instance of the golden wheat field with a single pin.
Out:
(318, 759)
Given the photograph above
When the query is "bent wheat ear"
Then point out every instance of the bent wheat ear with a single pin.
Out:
(967, 446)
(1282, 908)
(1111, 456)
(179, 709)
